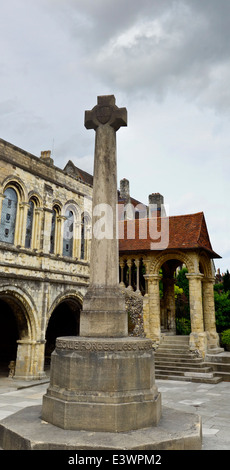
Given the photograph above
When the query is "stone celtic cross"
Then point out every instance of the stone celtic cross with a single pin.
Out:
(106, 112)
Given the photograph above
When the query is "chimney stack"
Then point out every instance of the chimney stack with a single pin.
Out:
(158, 201)
(124, 189)
(46, 157)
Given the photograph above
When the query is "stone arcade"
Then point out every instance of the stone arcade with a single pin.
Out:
(102, 392)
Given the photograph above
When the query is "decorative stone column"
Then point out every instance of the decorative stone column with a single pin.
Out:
(198, 337)
(153, 322)
(2, 197)
(59, 236)
(36, 236)
(122, 265)
(48, 214)
(137, 263)
(209, 313)
(129, 264)
(20, 228)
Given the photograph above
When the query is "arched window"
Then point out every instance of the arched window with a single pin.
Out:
(8, 216)
(53, 230)
(84, 236)
(68, 234)
(29, 224)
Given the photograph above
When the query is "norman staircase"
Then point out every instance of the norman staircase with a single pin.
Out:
(174, 361)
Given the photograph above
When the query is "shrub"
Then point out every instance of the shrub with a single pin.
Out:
(222, 307)
(225, 338)
(183, 326)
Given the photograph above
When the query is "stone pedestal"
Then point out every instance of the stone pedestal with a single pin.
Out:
(104, 313)
(102, 385)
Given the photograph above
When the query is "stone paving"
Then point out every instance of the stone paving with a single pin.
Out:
(211, 402)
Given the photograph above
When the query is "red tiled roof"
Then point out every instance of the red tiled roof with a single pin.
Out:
(185, 232)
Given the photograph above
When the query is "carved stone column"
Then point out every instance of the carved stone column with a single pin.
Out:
(36, 236)
(122, 265)
(48, 213)
(209, 313)
(137, 263)
(198, 337)
(154, 323)
(2, 197)
(129, 264)
(60, 232)
(20, 228)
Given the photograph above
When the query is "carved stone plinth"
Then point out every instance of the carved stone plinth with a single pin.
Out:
(102, 384)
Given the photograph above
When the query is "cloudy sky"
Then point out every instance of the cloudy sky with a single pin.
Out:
(166, 61)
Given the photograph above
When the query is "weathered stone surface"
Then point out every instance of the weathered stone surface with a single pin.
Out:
(103, 312)
(26, 430)
(102, 385)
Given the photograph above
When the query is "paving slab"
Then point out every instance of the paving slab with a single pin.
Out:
(214, 409)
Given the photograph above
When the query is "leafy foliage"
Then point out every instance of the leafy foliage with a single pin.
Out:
(222, 307)
(225, 337)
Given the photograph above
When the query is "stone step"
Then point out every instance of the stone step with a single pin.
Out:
(168, 375)
(164, 355)
(181, 378)
(175, 361)
(169, 372)
(184, 369)
(200, 376)
(184, 347)
(170, 350)
(185, 365)
(178, 357)
(175, 339)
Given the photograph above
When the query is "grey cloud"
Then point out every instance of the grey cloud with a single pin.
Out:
(194, 42)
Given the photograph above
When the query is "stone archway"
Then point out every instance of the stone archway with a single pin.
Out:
(25, 348)
(151, 307)
(203, 334)
(63, 320)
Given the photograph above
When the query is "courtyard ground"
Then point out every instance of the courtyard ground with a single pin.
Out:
(211, 402)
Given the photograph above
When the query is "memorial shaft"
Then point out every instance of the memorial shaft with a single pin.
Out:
(103, 311)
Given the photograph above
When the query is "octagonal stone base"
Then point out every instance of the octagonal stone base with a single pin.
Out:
(25, 430)
(102, 385)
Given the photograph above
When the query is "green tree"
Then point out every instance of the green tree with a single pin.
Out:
(222, 308)
(182, 281)
(226, 282)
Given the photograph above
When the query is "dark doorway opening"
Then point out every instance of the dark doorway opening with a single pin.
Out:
(64, 321)
(8, 337)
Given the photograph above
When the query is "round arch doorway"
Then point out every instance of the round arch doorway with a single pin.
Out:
(64, 321)
(9, 335)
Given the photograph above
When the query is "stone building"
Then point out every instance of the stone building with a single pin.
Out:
(45, 233)
(44, 255)
(158, 245)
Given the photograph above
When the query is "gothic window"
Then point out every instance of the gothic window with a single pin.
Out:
(68, 234)
(29, 224)
(8, 216)
(53, 231)
(84, 240)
